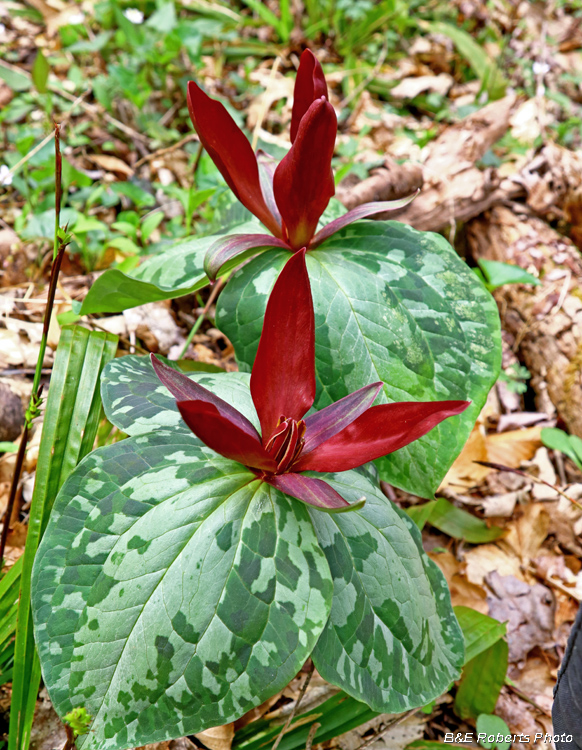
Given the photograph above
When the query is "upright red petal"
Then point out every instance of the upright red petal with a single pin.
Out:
(283, 377)
(309, 85)
(224, 437)
(303, 181)
(377, 432)
(230, 150)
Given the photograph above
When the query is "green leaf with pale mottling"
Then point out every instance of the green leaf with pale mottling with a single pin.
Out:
(392, 639)
(173, 591)
(391, 304)
(136, 402)
(168, 275)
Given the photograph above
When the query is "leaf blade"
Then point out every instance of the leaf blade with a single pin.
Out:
(376, 645)
(218, 556)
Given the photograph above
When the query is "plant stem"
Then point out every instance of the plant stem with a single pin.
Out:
(200, 319)
(381, 732)
(35, 396)
(58, 188)
(295, 707)
(311, 736)
(13, 491)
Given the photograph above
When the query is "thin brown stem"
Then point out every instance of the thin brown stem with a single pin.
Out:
(13, 490)
(168, 150)
(386, 728)
(311, 736)
(295, 707)
(200, 319)
(35, 396)
(70, 743)
(58, 187)
(536, 480)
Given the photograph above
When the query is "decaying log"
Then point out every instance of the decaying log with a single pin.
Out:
(386, 183)
(454, 189)
(545, 322)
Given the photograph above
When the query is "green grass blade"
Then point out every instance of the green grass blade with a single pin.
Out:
(69, 428)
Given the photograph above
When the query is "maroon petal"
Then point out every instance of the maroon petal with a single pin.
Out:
(325, 423)
(309, 85)
(267, 166)
(236, 246)
(219, 433)
(360, 212)
(184, 389)
(230, 150)
(283, 377)
(377, 432)
(314, 492)
(303, 181)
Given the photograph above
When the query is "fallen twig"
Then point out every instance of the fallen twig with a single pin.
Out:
(536, 480)
(295, 708)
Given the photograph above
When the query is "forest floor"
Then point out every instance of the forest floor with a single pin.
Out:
(478, 105)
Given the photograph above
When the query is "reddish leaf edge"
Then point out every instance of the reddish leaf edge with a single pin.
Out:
(239, 246)
(360, 212)
(314, 492)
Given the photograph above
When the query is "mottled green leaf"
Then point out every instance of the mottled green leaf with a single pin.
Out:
(481, 683)
(136, 402)
(479, 631)
(173, 273)
(391, 304)
(173, 591)
(392, 639)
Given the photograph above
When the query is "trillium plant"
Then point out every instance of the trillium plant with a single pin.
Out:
(288, 198)
(188, 571)
(341, 436)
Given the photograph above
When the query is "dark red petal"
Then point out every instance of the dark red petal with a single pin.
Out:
(224, 437)
(229, 149)
(377, 432)
(267, 166)
(184, 389)
(303, 182)
(314, 492)
(283, 377)
(236, 247)
(309, 85)
(360, 212)
(325, 423)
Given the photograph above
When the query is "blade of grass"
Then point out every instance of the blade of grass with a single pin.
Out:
(68, 433)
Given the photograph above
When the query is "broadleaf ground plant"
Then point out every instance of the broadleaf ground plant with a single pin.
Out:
(188, 571)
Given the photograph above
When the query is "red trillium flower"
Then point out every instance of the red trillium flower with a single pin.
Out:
(341, 436)
(288, 198)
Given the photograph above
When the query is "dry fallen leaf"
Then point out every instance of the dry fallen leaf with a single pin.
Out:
(409, 88)
(217, 738)
(507, 448)
(528, 611)
(526, 535)
(486, 558)
(463, 592)
(111, 163)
